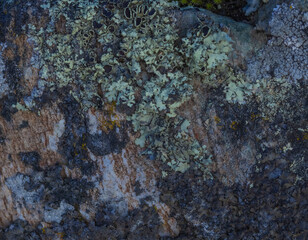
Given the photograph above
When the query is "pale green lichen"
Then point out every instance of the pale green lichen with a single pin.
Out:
(208, 56)
(19, 107)
(270, 94)
(63, 55)
(129, 54)
(238, 90)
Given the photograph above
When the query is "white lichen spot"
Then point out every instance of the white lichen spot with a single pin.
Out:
(57, 133)
(287, 147)
(93, 123)
(4, 87)
(55, 215)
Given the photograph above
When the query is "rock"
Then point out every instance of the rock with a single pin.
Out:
(126, 119)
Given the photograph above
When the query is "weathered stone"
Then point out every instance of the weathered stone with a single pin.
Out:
(142, 120)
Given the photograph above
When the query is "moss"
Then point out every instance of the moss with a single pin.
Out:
(218, 1)
(209, 6)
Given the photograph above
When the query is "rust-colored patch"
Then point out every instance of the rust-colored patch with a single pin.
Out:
(110, 119)
(74, 173)
(8, 54)
(61, 25)
(39, 22)
(169, 225)
(23, 49)
(30, 78)
(191, 110)
(35, 137)
(20, 49)
(231, 160)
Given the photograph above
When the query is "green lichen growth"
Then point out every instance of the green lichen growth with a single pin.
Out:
(271, 95)
(208, 56)
(67, 57)
(134, 55)
(20, 107)
(238, 90)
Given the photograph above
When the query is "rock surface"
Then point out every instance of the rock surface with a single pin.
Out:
(128, 119)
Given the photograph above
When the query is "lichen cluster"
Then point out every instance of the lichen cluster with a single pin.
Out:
(278, 71)
(285, 55)
(207, 54)
(270, 94)
(132, 53)
(174, 77)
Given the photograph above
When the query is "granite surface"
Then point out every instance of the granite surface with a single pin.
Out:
(130, 119)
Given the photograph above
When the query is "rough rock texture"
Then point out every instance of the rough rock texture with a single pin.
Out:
(128, 119)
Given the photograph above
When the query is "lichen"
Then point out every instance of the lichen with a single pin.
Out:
(238, 90)
(207, 54)
(130, 53)
(55, 215)
(271, 95)
(4, 87)
(286, 53)
(17, 184)
(110, 119)
(276, 74)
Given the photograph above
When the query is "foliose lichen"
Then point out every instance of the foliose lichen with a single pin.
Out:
(131, 52)
(277, 72)
(271, 95)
